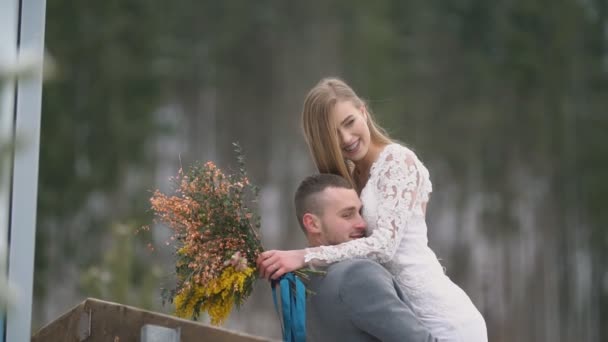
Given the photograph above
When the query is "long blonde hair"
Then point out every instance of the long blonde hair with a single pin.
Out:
(320, 132)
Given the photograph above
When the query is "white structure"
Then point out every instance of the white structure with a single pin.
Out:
(21, 42)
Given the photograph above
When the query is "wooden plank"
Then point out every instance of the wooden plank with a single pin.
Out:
(96, 320)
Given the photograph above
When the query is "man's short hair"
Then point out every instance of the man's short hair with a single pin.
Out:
(306, 200)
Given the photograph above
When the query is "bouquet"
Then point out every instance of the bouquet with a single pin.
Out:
(216, 237)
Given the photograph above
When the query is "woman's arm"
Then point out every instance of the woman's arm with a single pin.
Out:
(398, 188)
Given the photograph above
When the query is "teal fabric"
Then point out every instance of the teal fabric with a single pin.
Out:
(293, 307)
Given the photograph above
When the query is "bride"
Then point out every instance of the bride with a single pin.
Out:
(394, 187)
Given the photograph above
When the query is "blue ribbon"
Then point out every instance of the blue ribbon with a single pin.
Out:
(293, 307)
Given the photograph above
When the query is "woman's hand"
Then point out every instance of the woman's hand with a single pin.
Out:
(273, 264)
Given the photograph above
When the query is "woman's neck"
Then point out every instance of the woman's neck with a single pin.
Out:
(364, 165)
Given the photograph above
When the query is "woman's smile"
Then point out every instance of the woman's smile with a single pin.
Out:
(352, 148)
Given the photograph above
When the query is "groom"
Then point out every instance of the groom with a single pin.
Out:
(357, 300)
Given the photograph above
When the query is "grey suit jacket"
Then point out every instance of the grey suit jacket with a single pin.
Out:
(359, 300)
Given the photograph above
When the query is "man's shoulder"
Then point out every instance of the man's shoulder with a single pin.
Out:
(356, 268)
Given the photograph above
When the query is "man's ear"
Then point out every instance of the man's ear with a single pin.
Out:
(311, 223)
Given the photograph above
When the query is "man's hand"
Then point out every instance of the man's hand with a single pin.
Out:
(273, 264)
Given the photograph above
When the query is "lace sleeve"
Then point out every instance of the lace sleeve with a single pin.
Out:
(398, 187)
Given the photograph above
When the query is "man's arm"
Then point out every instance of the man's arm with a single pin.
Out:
(374, 306)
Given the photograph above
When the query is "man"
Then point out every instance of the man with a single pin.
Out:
(357, 300)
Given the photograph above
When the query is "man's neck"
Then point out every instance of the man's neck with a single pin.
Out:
(313, 242)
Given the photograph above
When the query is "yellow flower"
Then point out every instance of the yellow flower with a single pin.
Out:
(186, 300)
(218, 310)
(217, 297)
(183, 251)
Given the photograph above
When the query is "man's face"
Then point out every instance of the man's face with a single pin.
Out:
(341, 219)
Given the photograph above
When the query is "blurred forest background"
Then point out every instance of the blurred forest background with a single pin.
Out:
(505, 101)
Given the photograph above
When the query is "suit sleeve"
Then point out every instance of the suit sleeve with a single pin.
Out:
(374, 305)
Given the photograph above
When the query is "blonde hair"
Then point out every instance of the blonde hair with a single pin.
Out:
(320, 132)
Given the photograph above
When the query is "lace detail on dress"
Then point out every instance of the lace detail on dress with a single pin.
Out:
(427, 186)
(398, 185)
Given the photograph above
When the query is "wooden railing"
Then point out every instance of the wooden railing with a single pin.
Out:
(96, 320)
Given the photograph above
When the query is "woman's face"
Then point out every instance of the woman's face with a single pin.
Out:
(353, 133)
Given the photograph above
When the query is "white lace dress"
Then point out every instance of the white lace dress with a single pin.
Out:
(394, 203)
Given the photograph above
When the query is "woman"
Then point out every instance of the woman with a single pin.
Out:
(394, 187)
